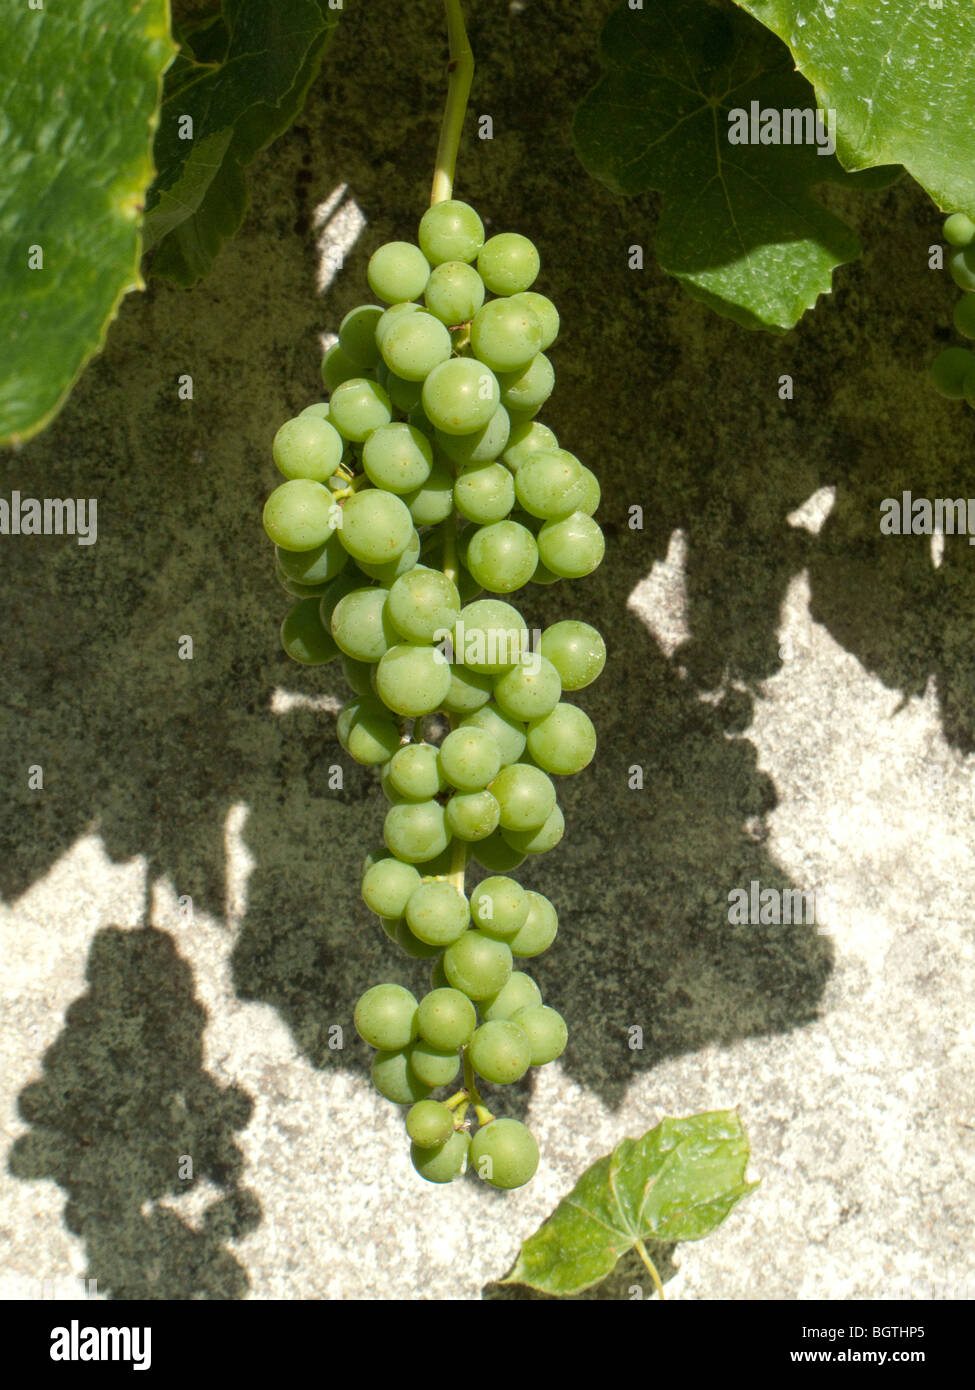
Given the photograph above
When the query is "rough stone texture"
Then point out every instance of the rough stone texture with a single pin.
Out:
(801, 702)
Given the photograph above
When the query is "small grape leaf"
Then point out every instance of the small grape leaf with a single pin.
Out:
(738, 227)
(900, 77)
(678, 1182)
(242, 79)
(82, 86)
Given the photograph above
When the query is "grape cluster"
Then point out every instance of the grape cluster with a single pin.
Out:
(422, 491)
(953, 371)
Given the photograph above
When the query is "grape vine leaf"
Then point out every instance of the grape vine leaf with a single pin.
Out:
(240, 80)
(678, 1182)
(739, 226)
(81, 88)
(901, 79)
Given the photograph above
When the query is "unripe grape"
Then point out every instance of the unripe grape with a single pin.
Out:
(504, 1153)
(444, 1163)
(429, 1124)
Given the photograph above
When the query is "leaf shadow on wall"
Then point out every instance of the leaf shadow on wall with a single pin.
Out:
(123, 1103)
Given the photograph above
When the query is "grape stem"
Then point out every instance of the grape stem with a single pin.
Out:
(642, 1251)
(484, 1115)
(460, 75)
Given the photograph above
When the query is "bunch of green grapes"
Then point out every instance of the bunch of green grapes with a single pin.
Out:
(953, 371)
(419, 494)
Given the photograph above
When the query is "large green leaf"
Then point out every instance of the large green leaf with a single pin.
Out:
(900, 76)
(678, 1182)
(739, 225)
(80, 88)
(240, 80)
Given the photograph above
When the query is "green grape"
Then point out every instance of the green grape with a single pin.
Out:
(483, 446)
(394, 1078)
(591, 494)
(429, 1124)
(423, 604)
(397, 271)
(433, 1065)
(296, 590)
(571, 548)
(391, 317)
(527, 390)
(495, 854)
(947, 373)
(527, 438)
(961, 265)
(505, 336)
(546, 1032)
(445, 1163)
(508, 263)
(526, 796)
(304, 638)
(414, 771)
(412, 680)
(388, 573)
(317, 566)
(412, 946)
(484, 492)
(577, 652)
(968, 388)
(490, 636)
(545, 312)
(538, 841)
(468, 691)
(461, 395)
(397, 457)
(499, 907)
(500, 1052)
(317, 408)
(360, 626)
(540, 929)
(450, 231)
(472, 815)
(345, 582)
(434, 501)
(562, 742)
(358, 674)
(376, 526)
(508, 733)
(528, 691)
(394, 797)
(387, 886)
(437, 913)
(521, 992)
(550, 484)
(477, 965)
(366, 731)
(416, 831)
(300, 515)
(405, 395)
(454, 293)
(357, 335)
(964, 316)
(337, 368)
(446, 1018)
(414, 345)
(959, 230)
(504, 1153)
(307, 447)
(502, 557)
(469, 758)
(389, 926)
(386, 1017)
(359, 406)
